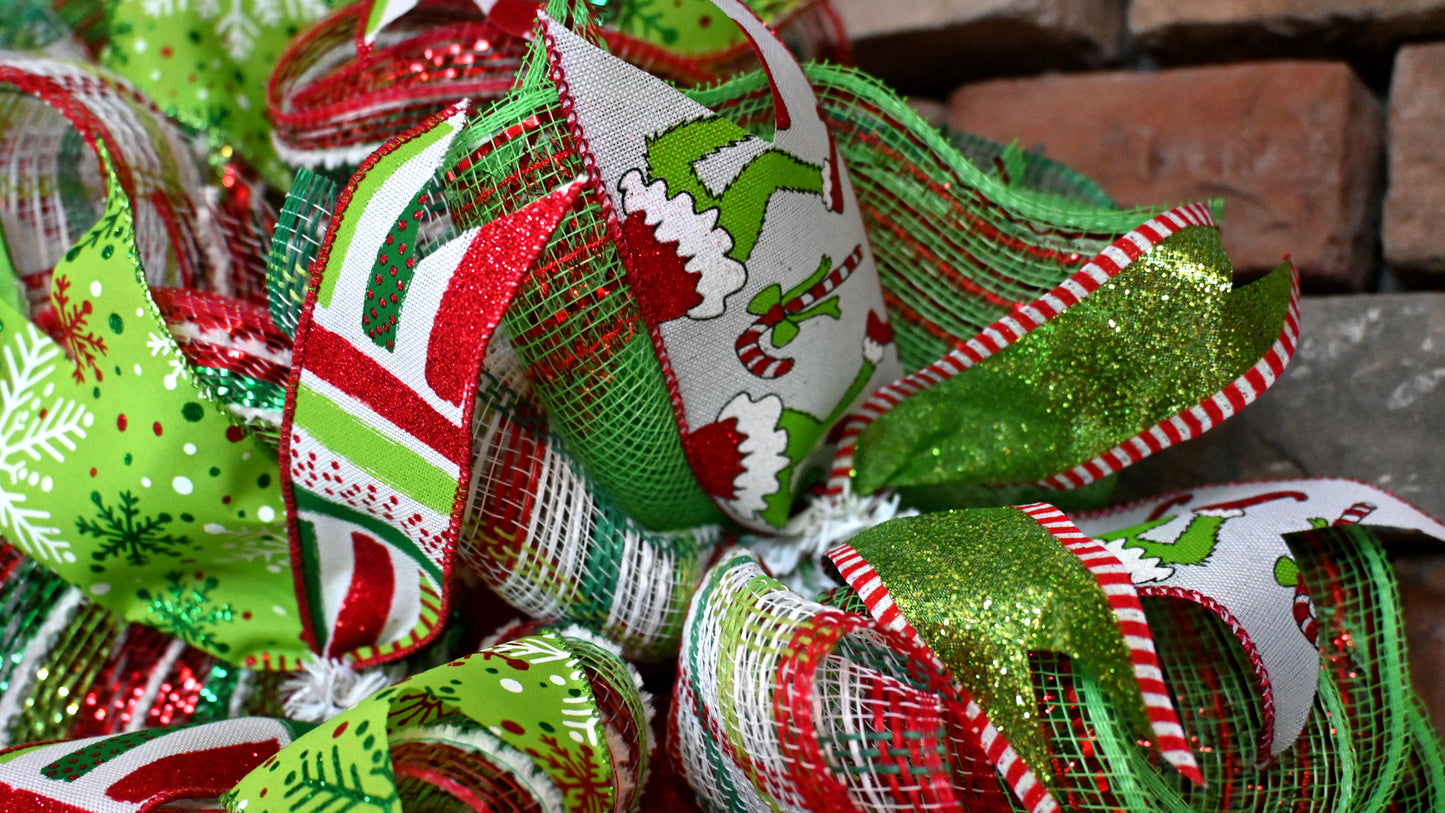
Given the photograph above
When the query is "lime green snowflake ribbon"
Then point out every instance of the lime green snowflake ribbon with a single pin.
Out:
(206, 64)
(119, 473)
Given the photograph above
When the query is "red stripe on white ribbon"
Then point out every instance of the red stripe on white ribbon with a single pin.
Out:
(1114, 580)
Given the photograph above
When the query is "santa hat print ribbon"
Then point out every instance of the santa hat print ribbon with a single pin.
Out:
(747, 256)
(376, 450)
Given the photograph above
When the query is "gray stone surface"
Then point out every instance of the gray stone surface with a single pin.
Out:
(1363, 398)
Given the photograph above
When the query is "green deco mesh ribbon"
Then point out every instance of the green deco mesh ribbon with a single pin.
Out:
(581, 333)
(957, 248)
(1367, 744)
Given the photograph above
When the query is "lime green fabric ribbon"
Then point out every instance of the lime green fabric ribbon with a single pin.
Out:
(120, 473)
(526, 712)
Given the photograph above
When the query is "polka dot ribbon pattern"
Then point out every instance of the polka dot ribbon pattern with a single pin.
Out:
(94, 420)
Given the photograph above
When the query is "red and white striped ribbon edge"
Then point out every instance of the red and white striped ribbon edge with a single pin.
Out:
(865, 581)
(1004, 332)
(1114, 580)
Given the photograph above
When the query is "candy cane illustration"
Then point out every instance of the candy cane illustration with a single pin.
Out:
(1356, 513)
(781, 312)
(1304, 611)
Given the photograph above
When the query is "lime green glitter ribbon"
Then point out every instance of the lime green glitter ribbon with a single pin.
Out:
(525, 708)
(984, 588)
(1165, 333)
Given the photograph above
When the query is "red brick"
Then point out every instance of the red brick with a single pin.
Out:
(1292, 147)
(1221, 30)
(1414, 241)
(932, 45)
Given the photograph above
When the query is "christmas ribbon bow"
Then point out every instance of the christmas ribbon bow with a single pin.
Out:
(376, 452)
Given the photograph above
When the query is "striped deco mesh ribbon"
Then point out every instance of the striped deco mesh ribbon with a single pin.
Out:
(191, 230)
(536, 529)
(334, 99)
(682, 41)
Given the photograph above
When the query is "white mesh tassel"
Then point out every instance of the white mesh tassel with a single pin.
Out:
(794, 556)
(325, 687)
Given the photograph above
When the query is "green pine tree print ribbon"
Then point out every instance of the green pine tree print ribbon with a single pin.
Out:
(524, 709)
(118, 471)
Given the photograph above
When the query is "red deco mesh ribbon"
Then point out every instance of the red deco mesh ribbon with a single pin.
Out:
(192, 230)
(333, 104)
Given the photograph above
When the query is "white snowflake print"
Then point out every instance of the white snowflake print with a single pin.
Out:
(30, 430)
(164, 346)
(240, 25)
(249, 545)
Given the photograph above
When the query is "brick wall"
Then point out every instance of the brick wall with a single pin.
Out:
(1317, 121)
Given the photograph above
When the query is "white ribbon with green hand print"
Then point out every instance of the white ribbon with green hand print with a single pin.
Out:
(1223, 547)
